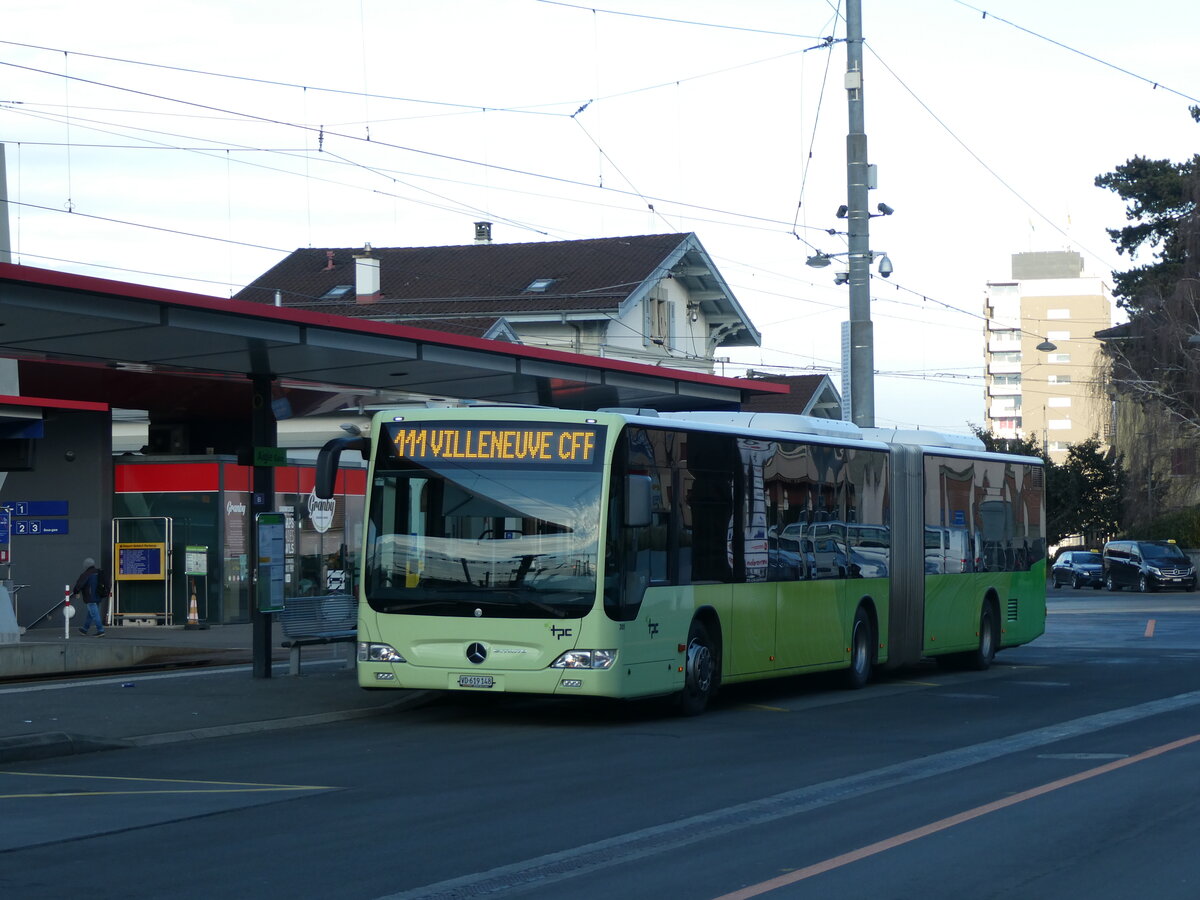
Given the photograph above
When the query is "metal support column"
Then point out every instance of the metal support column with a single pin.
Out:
(262, 499)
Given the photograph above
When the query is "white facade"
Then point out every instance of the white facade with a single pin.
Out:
(663, 324)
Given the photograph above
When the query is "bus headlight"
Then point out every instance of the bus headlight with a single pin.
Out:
(378, 653)
(585, 659)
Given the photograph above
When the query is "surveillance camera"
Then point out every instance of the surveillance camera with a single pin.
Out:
(885, 209)
(885, 267)
(841, 278)
(842, 211)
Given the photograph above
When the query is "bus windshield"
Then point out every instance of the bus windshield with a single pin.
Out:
(463, 540)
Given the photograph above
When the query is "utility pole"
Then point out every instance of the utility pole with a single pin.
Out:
(5, 248)
(860, 337)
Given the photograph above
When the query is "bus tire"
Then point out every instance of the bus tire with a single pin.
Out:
(701, 672)
(862, 640)
(981, 658)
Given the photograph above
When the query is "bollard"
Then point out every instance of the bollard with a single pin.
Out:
(68, 611)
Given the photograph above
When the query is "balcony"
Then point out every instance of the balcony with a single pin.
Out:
(1003, 345)
(996, 367)
(1004, 390)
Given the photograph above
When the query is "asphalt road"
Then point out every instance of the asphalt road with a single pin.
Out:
(1069, 769)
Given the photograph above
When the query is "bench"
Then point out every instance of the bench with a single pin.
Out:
(306, 621)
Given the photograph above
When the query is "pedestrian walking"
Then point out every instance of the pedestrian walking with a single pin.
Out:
(87, 591)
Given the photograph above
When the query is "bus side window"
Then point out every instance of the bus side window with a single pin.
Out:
(654, 538)
(710, 502)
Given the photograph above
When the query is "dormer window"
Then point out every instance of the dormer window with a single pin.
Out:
(539, 285)
(337, 292)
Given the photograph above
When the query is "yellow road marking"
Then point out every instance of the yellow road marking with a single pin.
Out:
(1149, 629)
(906, 837)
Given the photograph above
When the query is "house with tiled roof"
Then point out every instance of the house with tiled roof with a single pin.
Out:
(648, 298)
(810, 395)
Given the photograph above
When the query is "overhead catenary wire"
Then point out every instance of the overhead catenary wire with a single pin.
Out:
(975, 156)
(675, 21)
(1156, 85)
(422, 152)
(659, 205)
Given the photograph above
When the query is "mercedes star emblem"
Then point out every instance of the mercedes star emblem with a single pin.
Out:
(477, 653)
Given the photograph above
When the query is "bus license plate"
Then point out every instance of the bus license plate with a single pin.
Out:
(475, 681)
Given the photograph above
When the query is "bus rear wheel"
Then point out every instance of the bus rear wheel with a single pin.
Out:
(981, 658)
(700, 672)
(862, 639)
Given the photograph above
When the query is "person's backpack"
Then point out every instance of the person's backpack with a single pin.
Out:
(101, 586)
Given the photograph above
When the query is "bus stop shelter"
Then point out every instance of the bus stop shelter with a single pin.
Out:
(229, 369)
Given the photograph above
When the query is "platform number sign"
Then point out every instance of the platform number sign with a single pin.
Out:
(28, 517)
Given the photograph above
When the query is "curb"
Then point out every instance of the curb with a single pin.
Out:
(213, 731)
(49, 744)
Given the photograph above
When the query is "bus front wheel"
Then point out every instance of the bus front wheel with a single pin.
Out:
(700, 671)
(982, 657)
(861, 641)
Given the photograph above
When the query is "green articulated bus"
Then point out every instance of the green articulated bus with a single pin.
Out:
(629, 553)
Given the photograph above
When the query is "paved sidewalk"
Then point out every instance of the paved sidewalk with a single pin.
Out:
(84, 712)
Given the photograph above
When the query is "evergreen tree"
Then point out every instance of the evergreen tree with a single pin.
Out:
(1150, 359)
(1160, 198)
(1089, 491)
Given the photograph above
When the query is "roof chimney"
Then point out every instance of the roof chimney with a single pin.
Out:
(328, 261)
(366, 276)
(483, 232)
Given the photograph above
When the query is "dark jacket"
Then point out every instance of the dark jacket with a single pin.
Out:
(85, 585)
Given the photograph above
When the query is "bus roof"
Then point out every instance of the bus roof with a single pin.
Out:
(759, 421)
(833, 428)
(828, 430)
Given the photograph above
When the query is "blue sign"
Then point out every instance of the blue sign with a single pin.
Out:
(40, 508)
(3, 526)
(40, 526)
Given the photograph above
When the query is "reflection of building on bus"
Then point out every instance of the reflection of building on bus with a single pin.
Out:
(667, 554)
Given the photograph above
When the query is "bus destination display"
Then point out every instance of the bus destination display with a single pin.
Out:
(495, 442)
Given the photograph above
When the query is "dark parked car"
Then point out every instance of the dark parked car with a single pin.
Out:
(1147, 566)
(1079, 568)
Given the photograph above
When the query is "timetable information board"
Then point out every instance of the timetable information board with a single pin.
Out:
(272, 561)
(140, 562)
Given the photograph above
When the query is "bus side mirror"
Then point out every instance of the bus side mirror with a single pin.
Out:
(328, 458)
(637, 500)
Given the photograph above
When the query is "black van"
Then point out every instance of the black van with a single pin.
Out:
(1147, 566)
